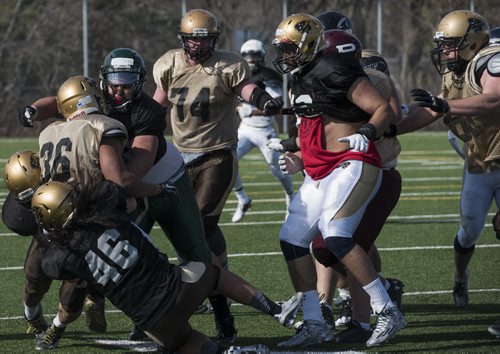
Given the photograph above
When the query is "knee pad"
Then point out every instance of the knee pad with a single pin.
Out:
(322, 253)
(461, 250)
(292, 252)
(340, 246)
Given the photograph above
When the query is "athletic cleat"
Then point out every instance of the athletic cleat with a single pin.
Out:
(50, 339)
(37, 325)
(354, 333)
(289, 310)
(250, 349)
(137, 334)
(389, 321)
(327, 312)
(396, 292)
(495, 329)
(226, 332)
(461, 293)
(241, 209)
(345, 315)
(340, 301)
(310, 333)
(94, 315)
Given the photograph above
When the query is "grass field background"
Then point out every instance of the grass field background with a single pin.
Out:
(415, 246)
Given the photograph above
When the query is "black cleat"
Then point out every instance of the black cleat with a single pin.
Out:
(137, 334)
(226, 332)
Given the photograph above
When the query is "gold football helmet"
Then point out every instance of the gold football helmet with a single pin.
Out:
(460, 32)
(80, 95)
(53, 205)
(198, 23)
(23, 174)
(298, 38)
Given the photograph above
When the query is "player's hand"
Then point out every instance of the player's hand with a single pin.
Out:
(273, 106)
(26, 115)
(275, 144)
(169, 191)
(290, 163)
(426, 99)
(357, 142)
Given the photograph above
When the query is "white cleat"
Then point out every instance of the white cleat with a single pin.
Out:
(389, 321)
(310, 333)
(289, 310)
(240, 211)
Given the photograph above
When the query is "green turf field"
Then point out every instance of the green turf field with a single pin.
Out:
(415, 246)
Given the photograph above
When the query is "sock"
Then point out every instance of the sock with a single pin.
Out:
(310, 306)
(30, 312)
(242, 196)
(220, 306)
(378, 295)
(344, 293)
(262, 303)
(57, 322)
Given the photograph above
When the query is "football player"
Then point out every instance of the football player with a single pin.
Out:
(150, 156)
(200, 85)
(336, 134)
(92, 238)
(255, 128)
(22, 177)
(469, 103)
(87, 148)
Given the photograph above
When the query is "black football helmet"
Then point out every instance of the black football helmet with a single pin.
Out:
(335, 20)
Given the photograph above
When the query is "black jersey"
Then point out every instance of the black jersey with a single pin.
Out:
(324, 84)
(145, 117)
(117, 259)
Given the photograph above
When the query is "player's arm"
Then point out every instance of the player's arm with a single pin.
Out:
(41, 109)
(258, 97)
(486, 103)
(114, 169)
(142, 154)
(161, 97)
(364, 95)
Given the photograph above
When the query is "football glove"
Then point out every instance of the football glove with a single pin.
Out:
(357, 142)
(169, 191)
(277, 144)
(26, 115)
(273, 106)
(426, 99)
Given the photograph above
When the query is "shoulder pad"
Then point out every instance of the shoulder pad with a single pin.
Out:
(494, 65)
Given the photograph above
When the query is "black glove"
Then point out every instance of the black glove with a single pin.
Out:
(391, 132)
(26, 115)
(368, 130)
(169, 191)
(427, 99)
(273, 106)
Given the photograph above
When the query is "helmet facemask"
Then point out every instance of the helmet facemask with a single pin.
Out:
(198, 53)
(255, 60)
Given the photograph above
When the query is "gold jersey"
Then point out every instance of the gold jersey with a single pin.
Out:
(481, 134)
(202, 97)
(388, 148)
(69, 150)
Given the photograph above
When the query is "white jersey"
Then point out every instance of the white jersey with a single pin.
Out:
(260, 121)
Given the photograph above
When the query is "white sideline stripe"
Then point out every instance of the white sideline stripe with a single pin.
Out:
(264, 254)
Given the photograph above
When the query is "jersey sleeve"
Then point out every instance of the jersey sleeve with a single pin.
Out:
(162, 70)
(149, 119)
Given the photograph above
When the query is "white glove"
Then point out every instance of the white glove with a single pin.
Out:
(357, 142)
(290, 163)
(275, 144)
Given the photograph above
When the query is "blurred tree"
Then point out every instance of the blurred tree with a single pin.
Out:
(41, 41)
